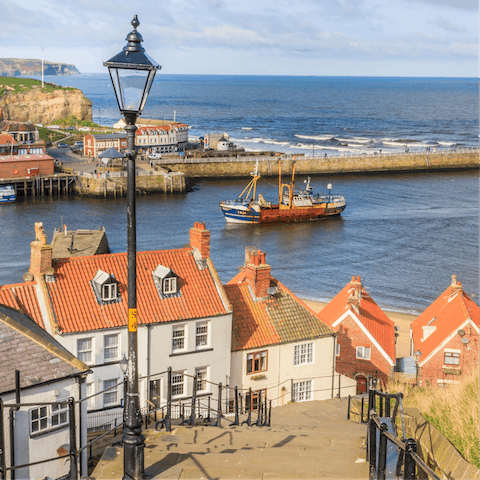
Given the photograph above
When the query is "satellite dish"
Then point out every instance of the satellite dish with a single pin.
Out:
(27, 277)
(465, 340)
(272, 290)
(461, 332)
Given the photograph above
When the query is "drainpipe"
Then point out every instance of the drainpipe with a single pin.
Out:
(334, 362)
(149, 339)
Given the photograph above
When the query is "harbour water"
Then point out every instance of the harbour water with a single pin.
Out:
(405, 234)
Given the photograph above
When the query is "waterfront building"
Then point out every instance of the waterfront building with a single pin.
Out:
(26, 139)
(184, 319)
(144, 122)
(280, 348)
(161, 139)
(93, 145)
(366, 336)
(446, 335)
(47, 373)
(26, 166)
(211, 140)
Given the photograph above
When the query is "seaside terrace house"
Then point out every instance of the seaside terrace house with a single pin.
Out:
(446, 335)
(93, 145)
(161, 139)
(280, 348)
(184, 319)
(47, 372)
(366, 336)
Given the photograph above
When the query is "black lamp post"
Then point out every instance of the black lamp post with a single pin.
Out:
(132, 73)
(417, 356)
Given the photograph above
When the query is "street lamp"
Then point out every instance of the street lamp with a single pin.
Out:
(417, 356)
(132, 73)
(123, 367)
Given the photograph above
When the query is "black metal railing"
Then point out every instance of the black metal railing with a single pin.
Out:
(388, 455)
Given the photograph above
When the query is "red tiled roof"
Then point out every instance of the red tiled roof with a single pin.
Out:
(77, 310)
(450, 311)
(25, 158)
(7, 139)
(23, 296)
(370, 314)
(282, 318)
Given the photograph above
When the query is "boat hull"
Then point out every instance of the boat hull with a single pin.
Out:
(7, 194)
(243, 214)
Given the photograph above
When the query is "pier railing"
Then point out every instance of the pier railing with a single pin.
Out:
(388, 455)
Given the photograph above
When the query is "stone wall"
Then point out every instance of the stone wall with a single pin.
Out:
(268, 166)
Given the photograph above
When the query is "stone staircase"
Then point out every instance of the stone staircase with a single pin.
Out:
(306, 440)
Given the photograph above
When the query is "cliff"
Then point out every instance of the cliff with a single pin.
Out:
(19, 66)
(37, 106)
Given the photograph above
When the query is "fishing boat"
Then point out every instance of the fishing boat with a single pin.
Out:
(292, 206)
(7, 193)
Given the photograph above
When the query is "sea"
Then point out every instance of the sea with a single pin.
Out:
(404, 234)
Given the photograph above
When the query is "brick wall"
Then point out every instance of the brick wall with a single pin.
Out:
(200, 238)
(351, 336)
(435, 369)
(18, 166)
(41, 252)
(257, 273)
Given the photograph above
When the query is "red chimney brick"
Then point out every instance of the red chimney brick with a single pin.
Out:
(257, 274)
(200, 238)
(41, 252)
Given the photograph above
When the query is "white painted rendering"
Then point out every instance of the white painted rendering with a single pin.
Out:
(31, 448)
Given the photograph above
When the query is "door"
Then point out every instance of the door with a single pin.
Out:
(155, 393)
(361, 385)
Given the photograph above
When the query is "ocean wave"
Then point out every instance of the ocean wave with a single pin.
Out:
(247, 128)
(316, 137)
(446, 144)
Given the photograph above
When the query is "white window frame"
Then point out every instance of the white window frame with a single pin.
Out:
(337, 349)
(175, 329)
(109, 291)
(59, 414)
(202, 339)
(42, 418)
(85, 351)
(113, 392)
(363, 353)
(169, 285)
(303, 354)
(178, 381)
(108, 358)
(202, 379)
(302, 391)
(50, 417)
(452, 355)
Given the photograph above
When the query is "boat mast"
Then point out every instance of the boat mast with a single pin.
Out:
(292, 187)
(279, 182)
(42, 68)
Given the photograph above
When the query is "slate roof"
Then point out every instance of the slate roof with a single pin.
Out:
(111, 153)
(29, 348)
(370, 315)
(282, 318)
(7, 126)
(77, 310)
(450, 310)
(110, 136)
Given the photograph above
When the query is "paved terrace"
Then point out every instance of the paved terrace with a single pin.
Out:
(306, 440)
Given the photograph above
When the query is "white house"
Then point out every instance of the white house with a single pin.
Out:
(161, 139)
(279, 346)
(184, 318)
(47, 373)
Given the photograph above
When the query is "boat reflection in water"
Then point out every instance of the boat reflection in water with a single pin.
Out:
(292, 206)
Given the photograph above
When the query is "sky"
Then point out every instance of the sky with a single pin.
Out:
(406, 38)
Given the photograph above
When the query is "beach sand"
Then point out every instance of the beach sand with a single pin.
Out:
(401, 320)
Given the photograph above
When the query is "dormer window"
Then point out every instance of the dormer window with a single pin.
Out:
(166, 282)
(105, 288)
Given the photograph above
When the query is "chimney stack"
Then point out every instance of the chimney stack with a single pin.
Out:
(455, 286)
(40, 252)
(200, 239)
(355, 292)
(257, 272)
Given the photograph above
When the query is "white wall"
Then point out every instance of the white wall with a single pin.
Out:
(29, 448)
(281, 371)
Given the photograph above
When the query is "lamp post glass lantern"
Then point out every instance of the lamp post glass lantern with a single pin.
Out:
(132, 72)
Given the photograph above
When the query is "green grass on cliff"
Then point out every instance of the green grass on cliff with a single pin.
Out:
(15, 83)
(452, 410)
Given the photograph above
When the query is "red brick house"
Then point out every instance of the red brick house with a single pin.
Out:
(446, 334)
(13, 166)
(366, 336)
(95, 144)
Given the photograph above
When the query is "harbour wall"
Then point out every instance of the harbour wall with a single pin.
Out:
(268, 166)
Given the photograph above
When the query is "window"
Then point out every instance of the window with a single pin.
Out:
(59, 414)
(170, 285)
(177, 384)
(47, 417)
(256, 396)
(84, 349)
(105, 287)
(110, 396)
(337, 350)
(201, 379)
(109, 291)
(302, 391)
(178, 342)
(363, 353)
(303, 354)
(451, 358)
(257, 362)
(90, 392)
(110, 344)
(201, 337)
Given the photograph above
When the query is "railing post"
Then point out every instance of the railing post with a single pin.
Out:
(269, 414)
(3, 464)
(237, 418)
(372, 445)
(168, 417)
(73, 475)
(292, 399)
(387, 407)
(240, 403)
(265, 410)
(371, 402)
(339, 378)
(348, 408)
(381, 406)
(409, 465)
(208, 410)
(382, 452)
(219, 406)
(361, 412)
(194, 398)
(259, 408)
(248, 421)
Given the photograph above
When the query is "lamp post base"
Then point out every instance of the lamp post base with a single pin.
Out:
(133, 457)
